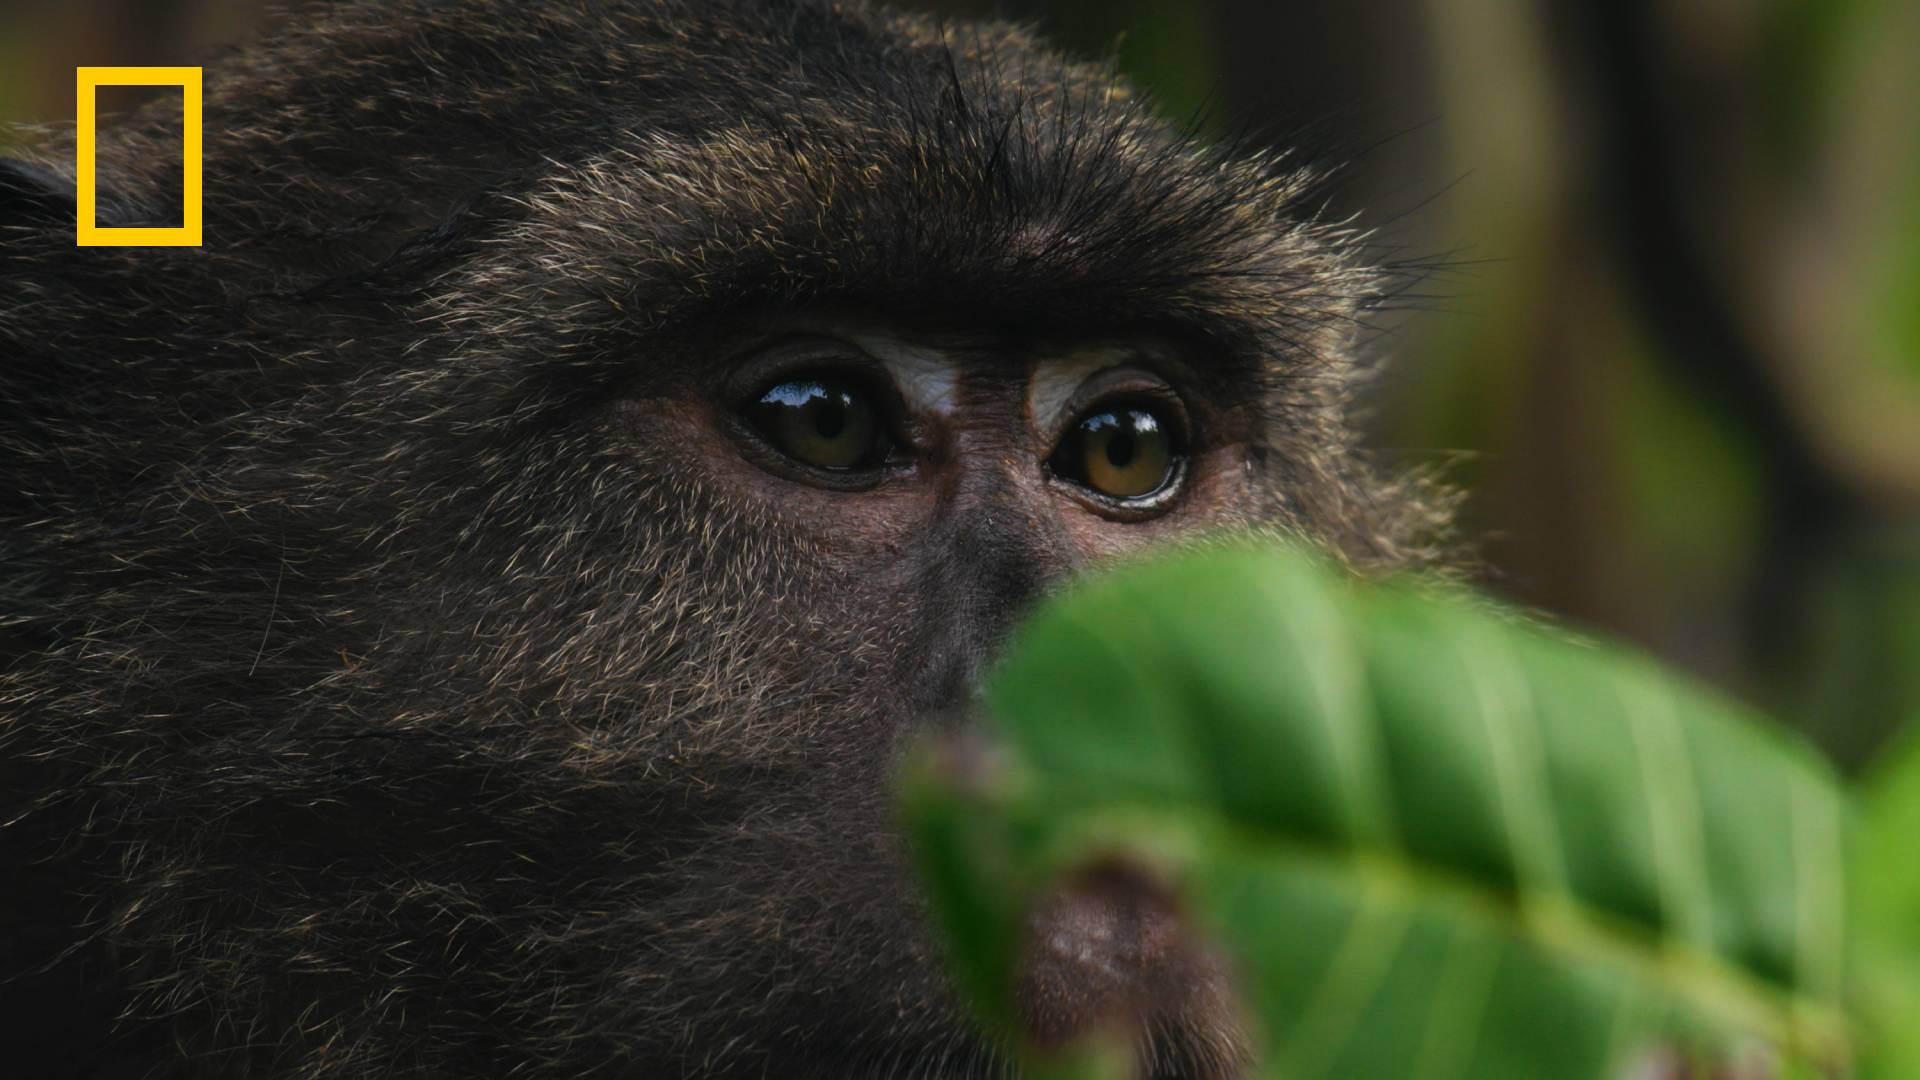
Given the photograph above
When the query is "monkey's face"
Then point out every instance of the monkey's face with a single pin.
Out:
(473, 609)
(905, 496)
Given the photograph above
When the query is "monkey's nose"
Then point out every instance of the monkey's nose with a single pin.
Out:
(1110, 954)
(1094, 953)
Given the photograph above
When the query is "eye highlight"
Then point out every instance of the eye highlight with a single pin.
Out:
(1129, 451)
(825, 420)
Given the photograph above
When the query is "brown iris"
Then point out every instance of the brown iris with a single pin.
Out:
(826, 421)
(1124, 451)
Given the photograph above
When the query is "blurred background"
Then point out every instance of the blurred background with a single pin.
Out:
(1670, 337)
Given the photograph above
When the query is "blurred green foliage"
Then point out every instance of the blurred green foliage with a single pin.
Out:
(1888, 908)
(1405, 811)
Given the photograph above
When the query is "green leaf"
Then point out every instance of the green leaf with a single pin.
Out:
(1441, 841)
(1887, 880)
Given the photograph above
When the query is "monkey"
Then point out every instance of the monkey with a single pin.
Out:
(466, 617)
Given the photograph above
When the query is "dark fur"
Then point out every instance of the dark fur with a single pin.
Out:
(377, 703)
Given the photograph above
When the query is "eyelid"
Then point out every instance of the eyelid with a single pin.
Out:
(1114, 381)
(1100, 393)
(793, 358)
(828, 379)
(750, 383)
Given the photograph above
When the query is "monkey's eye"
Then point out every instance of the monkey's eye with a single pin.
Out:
(1128, 451)
(824, 420)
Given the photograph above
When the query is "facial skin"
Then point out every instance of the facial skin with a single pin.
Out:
(448, 625)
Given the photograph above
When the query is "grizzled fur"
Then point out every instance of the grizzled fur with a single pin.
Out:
(375, 701)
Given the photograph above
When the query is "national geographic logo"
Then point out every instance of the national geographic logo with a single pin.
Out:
(89, 79)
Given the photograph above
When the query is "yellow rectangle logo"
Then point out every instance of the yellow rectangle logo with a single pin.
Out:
(86, 79)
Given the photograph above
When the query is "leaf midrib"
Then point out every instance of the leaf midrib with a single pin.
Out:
(1557, 921)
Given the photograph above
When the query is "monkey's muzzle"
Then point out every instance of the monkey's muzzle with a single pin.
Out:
(1110, 955)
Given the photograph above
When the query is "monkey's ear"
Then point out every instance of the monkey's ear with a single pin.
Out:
(34, 195)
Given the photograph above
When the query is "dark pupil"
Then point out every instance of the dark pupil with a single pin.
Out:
(829, 415)
(1123, 430)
